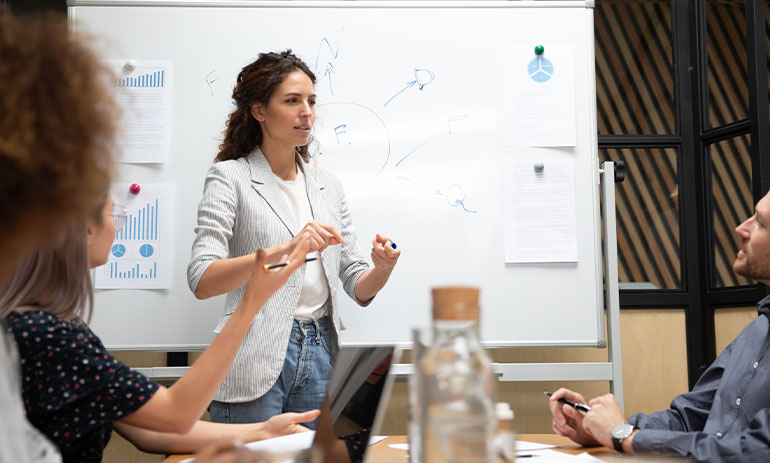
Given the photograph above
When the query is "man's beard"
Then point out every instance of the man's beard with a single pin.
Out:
(754, 269)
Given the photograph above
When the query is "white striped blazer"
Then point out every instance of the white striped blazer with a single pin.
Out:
(242, 209)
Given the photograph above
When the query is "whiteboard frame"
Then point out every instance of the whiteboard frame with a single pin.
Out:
(611, 370)
(363, 4)
(341, 3)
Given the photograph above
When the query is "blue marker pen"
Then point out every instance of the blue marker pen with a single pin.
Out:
(393, 245)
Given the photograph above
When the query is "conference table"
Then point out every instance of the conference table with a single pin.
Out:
(382, 452)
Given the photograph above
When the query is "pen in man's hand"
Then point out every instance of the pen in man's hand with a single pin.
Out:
(582, 407)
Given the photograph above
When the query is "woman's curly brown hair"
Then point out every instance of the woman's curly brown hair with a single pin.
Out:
(256, 83)
(57, 124)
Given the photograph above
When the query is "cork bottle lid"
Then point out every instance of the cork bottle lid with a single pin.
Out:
(456, 303)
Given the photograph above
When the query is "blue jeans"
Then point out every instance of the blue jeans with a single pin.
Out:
(300, 387)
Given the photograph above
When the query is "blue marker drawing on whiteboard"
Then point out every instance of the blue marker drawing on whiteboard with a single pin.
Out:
(422, 77)
(334, 51)
(328, 74)
(415, 149)
(432, 190)
(454, 194)
(456, 121)
(339, 130)
(210, 79)
(329, 68)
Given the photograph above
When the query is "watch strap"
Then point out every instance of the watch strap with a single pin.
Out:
(617, 442)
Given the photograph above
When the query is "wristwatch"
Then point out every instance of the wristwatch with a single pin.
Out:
(619, 433)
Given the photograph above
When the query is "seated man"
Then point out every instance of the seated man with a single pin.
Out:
(726, 417)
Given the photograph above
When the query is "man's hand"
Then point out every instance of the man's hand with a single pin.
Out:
(569, 422)
(605, 414)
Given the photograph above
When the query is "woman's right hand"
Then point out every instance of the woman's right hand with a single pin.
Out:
(263, 282)
(321, 235)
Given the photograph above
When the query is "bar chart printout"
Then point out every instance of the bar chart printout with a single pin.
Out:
(141, 255)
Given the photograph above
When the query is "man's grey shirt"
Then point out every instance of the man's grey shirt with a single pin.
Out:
(726, 417)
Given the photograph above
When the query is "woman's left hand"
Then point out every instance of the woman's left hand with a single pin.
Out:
(384, 252)
(287, 423)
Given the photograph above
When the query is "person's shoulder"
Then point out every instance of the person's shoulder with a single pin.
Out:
(232, 169)
(33, 321)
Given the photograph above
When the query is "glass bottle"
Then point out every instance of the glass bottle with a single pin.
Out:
(458, 383)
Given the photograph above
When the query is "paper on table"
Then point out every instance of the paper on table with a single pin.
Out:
(522, 446)
(399, 446)
(289, 443)
(539, 212)
(539, 95)
(548, 456)
(374, 439)
(284, 444)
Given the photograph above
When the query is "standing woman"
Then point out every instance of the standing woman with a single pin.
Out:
(260, 193)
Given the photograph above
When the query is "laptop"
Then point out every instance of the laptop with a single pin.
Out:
(360, 388)
(357, 398)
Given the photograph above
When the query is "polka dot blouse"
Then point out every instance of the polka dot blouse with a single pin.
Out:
(73, 389)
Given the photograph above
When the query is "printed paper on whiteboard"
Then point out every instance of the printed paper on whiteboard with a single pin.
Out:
(141, 256)
(143, 92)
(539, 212)
(539, 95)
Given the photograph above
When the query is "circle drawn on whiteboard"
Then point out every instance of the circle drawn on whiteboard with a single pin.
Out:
(118, 250)
(146, 250)
(354, 143)
(540, 69)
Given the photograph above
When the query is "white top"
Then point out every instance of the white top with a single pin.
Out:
(315, 287)
(19, 440)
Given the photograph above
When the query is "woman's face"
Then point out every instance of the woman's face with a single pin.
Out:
(101, 236)
(289, 116)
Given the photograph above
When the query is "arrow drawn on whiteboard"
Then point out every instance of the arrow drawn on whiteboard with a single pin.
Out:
(328, 72)
(431, 189)
(408, 86)
(454, 194)
(422, 77)
(415, 149)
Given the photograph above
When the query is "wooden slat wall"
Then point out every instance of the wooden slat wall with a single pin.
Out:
(634, 67)
(634, 79)
(648, 217)
(730, 159)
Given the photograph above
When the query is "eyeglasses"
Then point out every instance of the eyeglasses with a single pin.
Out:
(119, 216)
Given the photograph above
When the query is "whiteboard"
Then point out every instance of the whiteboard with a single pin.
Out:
(406, 155)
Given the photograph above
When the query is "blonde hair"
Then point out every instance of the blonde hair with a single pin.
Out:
(55, 280)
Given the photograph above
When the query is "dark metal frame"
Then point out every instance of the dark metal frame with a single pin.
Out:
(692, 138)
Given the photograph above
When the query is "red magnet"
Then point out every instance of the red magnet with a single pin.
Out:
(135, 188)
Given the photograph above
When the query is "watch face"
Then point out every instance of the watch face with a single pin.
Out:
(622, 430)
